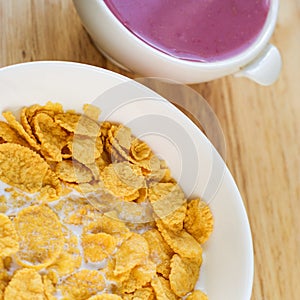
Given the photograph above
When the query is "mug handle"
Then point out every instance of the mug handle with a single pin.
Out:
(265, 69)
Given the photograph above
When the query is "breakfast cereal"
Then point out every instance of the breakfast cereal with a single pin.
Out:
(105, 297)
(197, 295)
(139, 277)
(160, 252)
(162, 288)
(41, 236)
(25, 284)
(21, 167)
(97, 246)
(82, 284)
(136, 248)
(9, 135)
(78, 124)
(184, 274)
(199, 220)
(12, 121)
(181, 242)
(90, 212)
(9, 240)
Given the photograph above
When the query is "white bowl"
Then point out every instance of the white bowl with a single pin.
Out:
(261, 62)
(227, 271)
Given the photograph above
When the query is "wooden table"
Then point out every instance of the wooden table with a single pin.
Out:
(261, 126)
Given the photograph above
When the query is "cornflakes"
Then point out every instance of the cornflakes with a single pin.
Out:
(3, 204)
(135, 226)
(9, 240)
(25, 284)
(123, 137)
(160, 252)
(51, 136)
(197, 295)
(49, 288)
(97, 246)
(199, 220)
(181, 242)
(184, 274)
(22, 167)
(41, 237)
(70, 258)
(110, 225)
(82, 285)
(120, 153)
(132, 252)
(139, 276)
(10, 118)
(72, 171)
(122, 179)
(105, 297)
(162, 289)
(9, 135)
(78, 124)
(91, 111)
(51, 108)
(168, 203)
(85, 150)
(51, 187)
(145, 293)
(4, 280)
(140, 150)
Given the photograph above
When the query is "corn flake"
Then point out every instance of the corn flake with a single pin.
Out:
(9, 240)
(72, 171)
(120, 154)
(169, 204)
(41, 237)
(160, 252)
(9, 135)
(51, 136)
(109, 225)
(132, 252)
(70, 258)
(85, 149)
(25, 284)
(78, 124)
(181, 242)
(197, 295)
(145, 293)
(51, 187)
(49, 288)
(162, 289)
(97, 246)
(122, 179)
(91, 111)
(82, 285)
(4, 280)
(140, 150)
(184, 274)
(199, 220)
(11, 120)
(139, 276)
(123, 137)
(105, 297)
(22, 167)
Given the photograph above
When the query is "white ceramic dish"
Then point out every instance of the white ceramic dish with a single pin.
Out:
(261, 62)
(227, 270)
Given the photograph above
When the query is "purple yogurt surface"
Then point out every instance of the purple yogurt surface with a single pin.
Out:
(197, 30)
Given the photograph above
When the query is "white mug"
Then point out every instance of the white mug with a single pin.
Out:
(261, 62)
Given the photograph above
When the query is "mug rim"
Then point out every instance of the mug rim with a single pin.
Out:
(239, 60)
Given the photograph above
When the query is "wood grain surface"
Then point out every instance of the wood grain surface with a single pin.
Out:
(261, 126)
